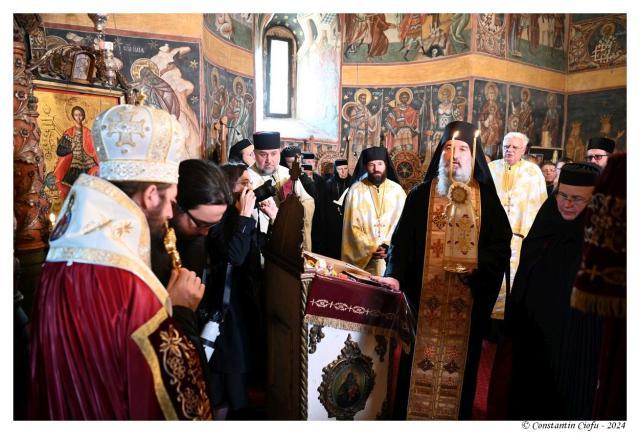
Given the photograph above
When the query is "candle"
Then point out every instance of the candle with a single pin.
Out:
(475, 138)
(52, 221)
(451, 154)
(473, 159)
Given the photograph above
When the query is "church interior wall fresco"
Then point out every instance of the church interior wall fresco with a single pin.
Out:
(404, 37)
(539, 115)
(490, 100)
(166, 69)
(597, 42)
(594, 114)
(538, 39)
(499, 108)
(491, 34)
(317, 69)
(236, 29)
(586, 42)
(408, 118)
(230, 98)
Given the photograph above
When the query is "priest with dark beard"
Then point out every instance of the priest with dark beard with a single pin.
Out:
(337, 186)
(448, 254)
(371, 211)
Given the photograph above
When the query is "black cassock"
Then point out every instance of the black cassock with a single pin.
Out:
(318, 191)
(406, 261)
(334, 215)
(550, 379)
(240, 356)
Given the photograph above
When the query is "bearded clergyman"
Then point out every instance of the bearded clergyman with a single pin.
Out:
(448, 254)
(372, 209)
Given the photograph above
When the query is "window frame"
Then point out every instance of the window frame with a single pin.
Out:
(267, 92)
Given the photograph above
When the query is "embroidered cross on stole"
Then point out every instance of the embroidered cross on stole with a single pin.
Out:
(444, 320)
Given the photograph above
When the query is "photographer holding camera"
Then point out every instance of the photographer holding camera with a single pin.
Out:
(233, 300)
(267, 168)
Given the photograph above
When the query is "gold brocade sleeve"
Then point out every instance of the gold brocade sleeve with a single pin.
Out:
(358, 244)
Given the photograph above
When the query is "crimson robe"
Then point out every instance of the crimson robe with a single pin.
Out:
(85, 361)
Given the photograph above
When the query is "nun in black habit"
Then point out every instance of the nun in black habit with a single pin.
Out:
(539, 316)
(336, 187)
(406, 261)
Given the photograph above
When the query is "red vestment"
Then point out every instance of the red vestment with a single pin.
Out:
(85, 363)
(64, 162)
(103, 343)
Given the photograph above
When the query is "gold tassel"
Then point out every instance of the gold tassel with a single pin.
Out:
(354, 327)
(602, 305)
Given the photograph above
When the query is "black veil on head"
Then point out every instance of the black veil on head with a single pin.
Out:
(235, 153)
(370, 154)
(289, 151)
(337, 163)
(466, 132)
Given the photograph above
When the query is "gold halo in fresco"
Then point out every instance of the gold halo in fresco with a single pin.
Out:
(401, 91)
(214, 74)
(236, 81)
(491, 86)
(365, 92)
(447, 87)
(140, 63)
(608, 29)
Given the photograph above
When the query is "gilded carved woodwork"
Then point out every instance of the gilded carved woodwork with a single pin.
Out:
(31, 206)
(347, 382)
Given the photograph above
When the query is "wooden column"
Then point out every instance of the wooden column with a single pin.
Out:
(30, 204)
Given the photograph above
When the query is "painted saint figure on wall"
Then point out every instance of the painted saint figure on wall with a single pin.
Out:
(521, 119)
(356, 33)
(224, 25)
(402, 123)
(607, 50)
(364, 126)
(410, 32)
(491, 120)
(379, 41)
(238, 112)
(158, 93)
(551, 123)
(218, 97)
(76, 152)
(169, 71)
(575, 148)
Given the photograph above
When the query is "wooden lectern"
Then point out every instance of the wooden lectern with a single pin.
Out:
(333, 344)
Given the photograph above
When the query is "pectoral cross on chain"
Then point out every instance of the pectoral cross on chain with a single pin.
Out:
(508, 204)
(378, 229)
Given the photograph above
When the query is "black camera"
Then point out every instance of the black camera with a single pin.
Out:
(265, 191)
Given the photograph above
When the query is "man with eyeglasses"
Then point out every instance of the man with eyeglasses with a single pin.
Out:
(599, 149)
(203, 197)
(538, 307)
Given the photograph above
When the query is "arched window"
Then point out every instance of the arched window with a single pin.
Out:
(279, 72)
